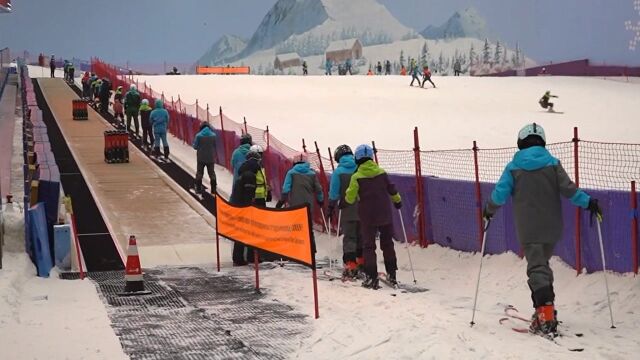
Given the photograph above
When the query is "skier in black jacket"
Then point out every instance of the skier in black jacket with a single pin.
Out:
(244, 190)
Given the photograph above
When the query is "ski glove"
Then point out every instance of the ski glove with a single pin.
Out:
(486, 213)
(280, 204)
(321, 203)
(398, 205)
(330, 210)
(594, 209)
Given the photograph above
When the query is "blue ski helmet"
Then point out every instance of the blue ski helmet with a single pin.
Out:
(531, 135)
(363, 151)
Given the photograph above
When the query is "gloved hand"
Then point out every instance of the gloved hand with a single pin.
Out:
(594, 208)
(269, 196)
(280, 204)
(321, 203)
(398, 205)
(343, 204)
(486, 213)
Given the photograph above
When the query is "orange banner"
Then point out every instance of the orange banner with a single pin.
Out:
(286, 232)
(223, 70)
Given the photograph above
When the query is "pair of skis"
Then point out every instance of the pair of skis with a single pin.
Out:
(558, 338)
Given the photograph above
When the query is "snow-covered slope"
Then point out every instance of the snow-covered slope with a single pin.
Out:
(226, 47)
(467, 23)
(357, 109)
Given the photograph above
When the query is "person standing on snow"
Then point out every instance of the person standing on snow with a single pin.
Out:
(426, 76)
(415, 75)
(205, 145)
(263, 192)
(301, 186)
(52, 65)
(159, 118)
(349, 66)
(379, 68)
(243, 194)
(147, 132)
(105, 95)
(387, 68)
(86, 85)
(373, 190)
(457, 68)
(305, 69)
(544, 101)
(132, 107)
(327, 67)
(536, 180)
(351, 242)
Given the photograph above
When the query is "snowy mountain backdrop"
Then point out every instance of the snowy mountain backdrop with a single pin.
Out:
(307, 27)
(467, 23)
(225, 48)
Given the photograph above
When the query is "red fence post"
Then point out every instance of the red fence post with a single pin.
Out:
(197, 117)
(245, 125)
(375, 151)
(333, 168)
(304, 146)
(224, 143)
(577, 181)
(478, 192)
(419, 188)
(207, 113)
(634, 227)
(323, 175)
(268, 135)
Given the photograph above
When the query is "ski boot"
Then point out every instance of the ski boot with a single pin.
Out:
(391, 278)
(544, 322)
(350, 271)
(371, 283)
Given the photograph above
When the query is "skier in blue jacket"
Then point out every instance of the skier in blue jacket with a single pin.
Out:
(205, 145)
(349, 221)
(159, 118)
(536, 180)
(239, 156)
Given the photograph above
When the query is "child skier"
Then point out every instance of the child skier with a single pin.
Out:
(263, 192)
(426, 76)
(415, 75)
(535, 180)
(351, 242)
(147, 132)
(544, 101)
(205, 145)
(370, 185)
(118, 112)
(301, 186)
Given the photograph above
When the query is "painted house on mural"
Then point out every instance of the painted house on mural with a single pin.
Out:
(288, 60)
(341, 50)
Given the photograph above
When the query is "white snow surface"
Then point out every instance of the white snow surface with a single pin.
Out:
(358, 109)
(51, 318)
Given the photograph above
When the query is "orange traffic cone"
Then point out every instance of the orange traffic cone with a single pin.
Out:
(133, 273)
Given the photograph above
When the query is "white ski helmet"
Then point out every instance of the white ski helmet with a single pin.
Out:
(132, 87)
(145, 101)
(256, 148)
(528, 132)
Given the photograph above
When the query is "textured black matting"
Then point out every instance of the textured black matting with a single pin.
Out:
(195, 313)
(100, 253)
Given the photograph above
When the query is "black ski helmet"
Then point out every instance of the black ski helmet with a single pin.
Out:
(246, 139)
(254, 155)
(204, 125)
(340, 151)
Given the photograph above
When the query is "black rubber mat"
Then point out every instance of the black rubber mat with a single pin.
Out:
(196, 313)
(98, 248)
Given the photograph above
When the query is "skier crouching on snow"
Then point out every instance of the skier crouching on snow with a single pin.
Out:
(426, 76)
(370, 185)
(205, 145)
(301, 186)
(351, 242)
(544, 101)
(535, 180)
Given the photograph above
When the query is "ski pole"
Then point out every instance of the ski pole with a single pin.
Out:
(338, 230)
(324, 221)
(407, 246)
(604, 270)
(475, 299)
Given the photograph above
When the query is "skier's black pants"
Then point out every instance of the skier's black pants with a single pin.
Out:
(53, 72)
(425, 79)
(351, 241)
(369, 248)
(85, 90)
(414, 78)
(135, 122)
(539, 273)
(104, 104)
(200, 173)
(147, 133)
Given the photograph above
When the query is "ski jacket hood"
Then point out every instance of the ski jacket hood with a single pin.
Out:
(159, 104)
(533, 158)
